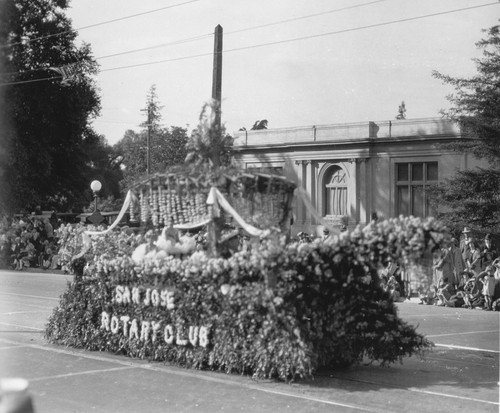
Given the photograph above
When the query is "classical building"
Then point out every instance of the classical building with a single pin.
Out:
(353, 172)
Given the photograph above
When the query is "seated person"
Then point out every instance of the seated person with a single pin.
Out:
(29, 258)
(444, 292)
(465, 276)
(457, 299)
(17, 253)
(473, 296)
(429, 297)
(47, 258)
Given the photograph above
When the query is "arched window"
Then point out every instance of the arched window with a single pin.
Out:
(335, 191)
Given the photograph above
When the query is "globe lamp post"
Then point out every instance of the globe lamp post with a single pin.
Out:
(96, 187)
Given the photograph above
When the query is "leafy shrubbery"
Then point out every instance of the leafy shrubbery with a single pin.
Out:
(269, 310)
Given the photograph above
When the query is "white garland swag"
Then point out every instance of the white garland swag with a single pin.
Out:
(215, 199)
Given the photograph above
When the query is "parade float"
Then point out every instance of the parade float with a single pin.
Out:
(263, 306)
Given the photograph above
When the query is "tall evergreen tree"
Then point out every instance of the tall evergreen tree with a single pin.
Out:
(46, 101)
(167, 145)
(473, 197)
(168, 148)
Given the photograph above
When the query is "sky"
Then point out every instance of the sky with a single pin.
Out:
(292, 62)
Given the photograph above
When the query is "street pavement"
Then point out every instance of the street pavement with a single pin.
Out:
(461, 373)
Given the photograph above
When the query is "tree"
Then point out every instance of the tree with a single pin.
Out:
(401, 111)
(209, 145)
(474, 196)
(153, 109)
(167, 145)
(168, 148)
(106, 168)
(46, 138)
(131, 152)
(476, 101)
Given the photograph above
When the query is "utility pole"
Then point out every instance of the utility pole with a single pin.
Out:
(148, 140)
(148, 143)
(217, 74)
(215, 225)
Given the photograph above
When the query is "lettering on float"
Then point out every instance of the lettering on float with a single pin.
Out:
(153, 331)
(144, 296)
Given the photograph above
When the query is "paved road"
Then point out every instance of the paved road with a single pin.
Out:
(460, 374)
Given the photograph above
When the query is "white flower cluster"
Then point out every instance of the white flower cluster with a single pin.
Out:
(146, 296)
(154, 331)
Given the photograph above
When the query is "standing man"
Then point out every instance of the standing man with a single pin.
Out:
(457, 262)
(465, 244)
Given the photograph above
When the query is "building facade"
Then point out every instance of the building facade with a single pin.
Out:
(354, 172)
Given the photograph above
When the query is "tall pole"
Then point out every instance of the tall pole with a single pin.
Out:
(148, 140)
(217, 73)
(148, 143)
(215, 225)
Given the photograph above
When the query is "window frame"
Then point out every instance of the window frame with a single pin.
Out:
(413, 186)
(328, 186)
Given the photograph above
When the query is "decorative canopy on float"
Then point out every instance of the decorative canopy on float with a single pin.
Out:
(260, 200)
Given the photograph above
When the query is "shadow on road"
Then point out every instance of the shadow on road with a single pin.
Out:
(455, 369)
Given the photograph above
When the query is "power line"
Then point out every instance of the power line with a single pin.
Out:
(20, 82)
(286, 40)
(99, 24)
(114, 121)
(187, 40)
(244, 29)
(303, 17)
(370, 26)
(190, 39)
(158, 62)
(200, 37)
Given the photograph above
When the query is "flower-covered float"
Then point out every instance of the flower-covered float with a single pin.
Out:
(266, 307)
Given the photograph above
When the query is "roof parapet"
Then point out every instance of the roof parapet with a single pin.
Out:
(348, 132)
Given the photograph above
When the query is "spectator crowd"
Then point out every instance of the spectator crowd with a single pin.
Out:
(466, 274)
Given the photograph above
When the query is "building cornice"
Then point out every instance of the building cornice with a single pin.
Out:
(359, 134)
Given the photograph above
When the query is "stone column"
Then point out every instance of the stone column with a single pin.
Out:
(308, 180)
(363, 192)
(353, 189)
(300, 208)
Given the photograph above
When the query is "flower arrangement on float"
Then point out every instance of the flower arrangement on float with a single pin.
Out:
(271, 309)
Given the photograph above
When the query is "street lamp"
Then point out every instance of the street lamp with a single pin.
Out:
(96, 187)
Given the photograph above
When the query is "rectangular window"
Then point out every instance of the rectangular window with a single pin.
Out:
(402, 172)
(411, 182)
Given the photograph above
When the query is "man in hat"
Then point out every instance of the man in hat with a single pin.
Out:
(465, 242)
